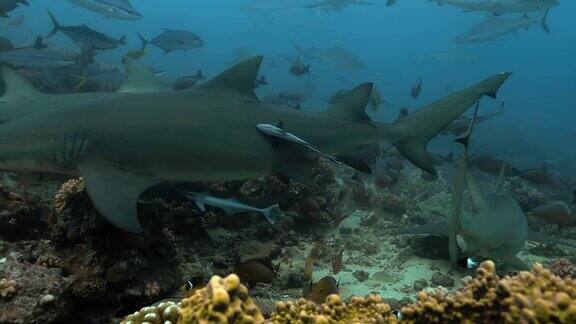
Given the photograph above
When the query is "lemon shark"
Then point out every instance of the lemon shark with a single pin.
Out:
(124, 144)
(491, 223)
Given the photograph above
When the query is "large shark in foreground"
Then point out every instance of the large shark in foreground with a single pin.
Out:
(124, 144)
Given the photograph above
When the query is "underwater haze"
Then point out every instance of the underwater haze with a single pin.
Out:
(312, 147)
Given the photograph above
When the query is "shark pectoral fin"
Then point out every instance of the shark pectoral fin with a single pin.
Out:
(239, 79)
(272, 213)
(353, 105)
(115, 192)
(17, 86)
(140, 79)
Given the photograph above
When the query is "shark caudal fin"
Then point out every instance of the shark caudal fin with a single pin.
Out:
(140, 79)
(143, 42)
(55, 25)
(272, 213)
(411, 133)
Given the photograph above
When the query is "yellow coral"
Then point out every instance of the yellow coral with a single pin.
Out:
(165, 313)
(224, 300)
(7, 288)
(370, 309)
(529, 297)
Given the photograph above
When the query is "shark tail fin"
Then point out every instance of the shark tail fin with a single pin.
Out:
(143, 41)
(542, 21)
(56, 26)
(272, 213)
(411, 133)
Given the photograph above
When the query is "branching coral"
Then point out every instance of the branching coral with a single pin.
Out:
(529, 297)
(224, 300)
(371, 309)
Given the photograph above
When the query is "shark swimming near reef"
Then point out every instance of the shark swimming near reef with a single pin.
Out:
(491, 224)
(219, 131)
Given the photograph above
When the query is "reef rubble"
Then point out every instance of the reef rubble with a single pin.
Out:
(67, 264)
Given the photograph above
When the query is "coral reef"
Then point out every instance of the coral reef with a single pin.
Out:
(67, 190)
(166, 313)
(563, 268)
(529, 297)
(369, 309)
(224, 300)
(31, 293)
(7, 288)
(24, 216)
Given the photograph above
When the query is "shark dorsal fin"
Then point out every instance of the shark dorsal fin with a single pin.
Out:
(140, 79)
(353, 105)
(16, 85)
(239, 79)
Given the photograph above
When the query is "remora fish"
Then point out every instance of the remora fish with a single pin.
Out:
(174, 40)
(491, 224)
(117, 9)
(231, 205)
(121, 145)
(84, 36)
(495, 28)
